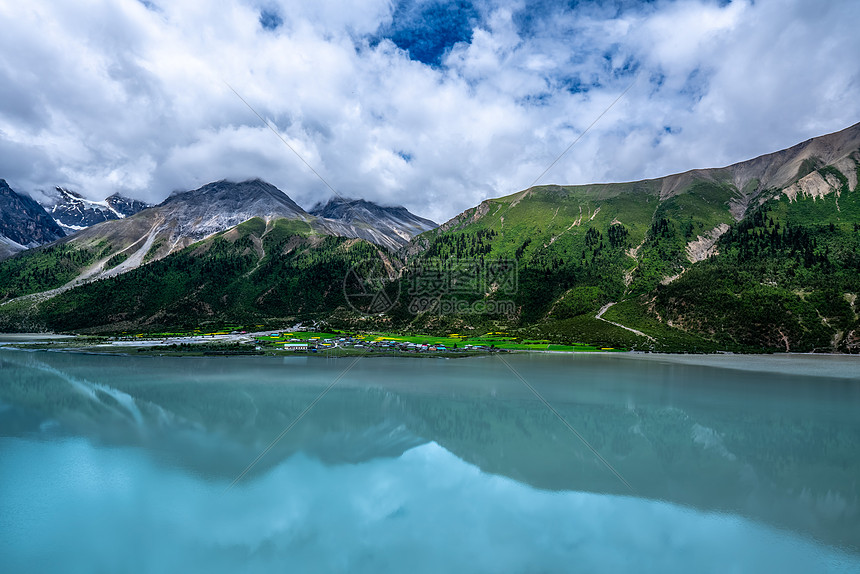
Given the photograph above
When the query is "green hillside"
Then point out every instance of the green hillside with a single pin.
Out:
(786, 277)
(681, 269)
(47, 267)
(247, 274)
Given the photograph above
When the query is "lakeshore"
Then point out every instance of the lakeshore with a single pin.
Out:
(291, 342)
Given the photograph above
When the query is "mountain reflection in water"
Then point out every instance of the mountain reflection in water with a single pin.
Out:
(779, 450)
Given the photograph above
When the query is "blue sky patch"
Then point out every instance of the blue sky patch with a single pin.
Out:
(575, 84)
(427, 30)
(535, 16)
(542, 99)
(270, 20)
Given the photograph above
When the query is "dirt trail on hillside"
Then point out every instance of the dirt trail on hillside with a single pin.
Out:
(604, 309)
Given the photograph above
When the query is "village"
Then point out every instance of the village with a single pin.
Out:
(298, 340)
(365, 343)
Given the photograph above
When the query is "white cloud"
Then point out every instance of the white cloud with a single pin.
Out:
(112, 96)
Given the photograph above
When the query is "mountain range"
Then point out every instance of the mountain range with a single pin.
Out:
(73, 212)
(391, 227)
(23, 223)
(192, 215)
(187, 217)
(105, 242)
(759, 255)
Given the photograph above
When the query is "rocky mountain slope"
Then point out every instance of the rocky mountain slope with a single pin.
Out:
(392, 227)
(116, 246)
(73, 212)
(23, 223)
(223, 204)
(125, 206)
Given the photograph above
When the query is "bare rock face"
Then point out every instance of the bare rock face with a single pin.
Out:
(23, 223)
(391, 227)
(791, 170)
(705, 246)
(780, 170)
(125, 206)
(471, 215)
(813, 185)
(73, 212)
(223, 204)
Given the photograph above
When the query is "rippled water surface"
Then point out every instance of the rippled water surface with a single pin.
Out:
(662, 464)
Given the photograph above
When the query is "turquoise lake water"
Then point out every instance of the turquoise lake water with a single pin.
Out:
(660, 464)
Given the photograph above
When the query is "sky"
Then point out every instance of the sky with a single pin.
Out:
(432, 105)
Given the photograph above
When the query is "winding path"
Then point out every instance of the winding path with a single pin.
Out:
(604, 309)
